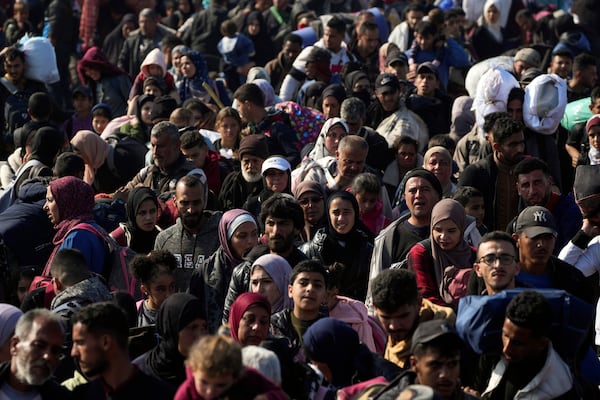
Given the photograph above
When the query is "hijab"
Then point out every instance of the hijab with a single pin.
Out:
(93, 149)
(228, 224)
(46, 144)
(330, 229)
(336, 344)
(243, 302)
(176, 312)
(496, 28)
(141, 241)
(75, 201)
(279, 270)
(9, 315)
(320, 151)
(141, 100)
(461, 255)
(194, 83)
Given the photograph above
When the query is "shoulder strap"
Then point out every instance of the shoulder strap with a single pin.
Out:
(9, 85)
(276, 14)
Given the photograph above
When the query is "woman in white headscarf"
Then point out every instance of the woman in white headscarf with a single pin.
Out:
(488, 38)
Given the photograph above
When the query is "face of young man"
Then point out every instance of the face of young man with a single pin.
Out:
(500, 274)
(520, 344)
(441, 373)
(536, 250)
(280, 234)
(332, 39)
(561, 66)
(400, 323)
(88, 351)
(420, 197)
(308, 291)
(534, 187)
(190, 205)
(512, 150)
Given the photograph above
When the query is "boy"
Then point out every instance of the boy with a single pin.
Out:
(473, 202)
(101, 116)
(82, 117)
(195, 149)
(236, 49)
(366, 188)
(308, 290)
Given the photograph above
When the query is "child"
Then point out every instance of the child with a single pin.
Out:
(215, 370)
(366, 188)
(155, 272)
(154, 65)
(101, 116)
(81, 120)
(473, 202)
(17, 26)
(229, 126)
(236, 49)
(308, 290)
(195, 149)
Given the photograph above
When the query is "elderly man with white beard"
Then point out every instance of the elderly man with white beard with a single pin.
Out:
(36, 349)
(240, 185)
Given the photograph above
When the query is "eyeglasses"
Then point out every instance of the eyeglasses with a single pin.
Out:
(306, 200)
(505, 259)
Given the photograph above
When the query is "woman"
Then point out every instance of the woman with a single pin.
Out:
(250, 318)
(140, 230)
(331, 100)
(69, 204)
(140, 127)
(256, 29)
(229, 126)
(195, 74)
(155, 272)
(438, 161)
(113, 43)
(9, 315)
(446, 252)
(488, 38)
(270, 277)
(276, 174)
(311, 196)
(107, 167)
(109, 83)
(343, 240)
(238, 233)
(334, 130)
(180, 322)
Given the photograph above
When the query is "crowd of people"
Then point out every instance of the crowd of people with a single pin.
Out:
(300, 200)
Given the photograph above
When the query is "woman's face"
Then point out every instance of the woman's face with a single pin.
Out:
(189, 334)
(276, 180)
(145, 112)
(243, 239)
(313, 206)
(254, 27)
(51, 207)
(127, 28)
(594, 137)
(177, 60)
(446, 234)
(331, 107)
(254, 326)
(341, 215)
(492, 15)
(159, 289)
(333, 137)
(362, 85)
(146, 215)
(93, 73)
(440, 167)
(262, 283)
(188, 69)
(229, 130)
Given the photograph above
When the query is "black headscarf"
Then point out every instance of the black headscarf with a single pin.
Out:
(177, 311)
(45, 145)
(141, 241)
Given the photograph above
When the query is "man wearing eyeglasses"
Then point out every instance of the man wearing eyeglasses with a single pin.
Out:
(497, 264)
(36, 349)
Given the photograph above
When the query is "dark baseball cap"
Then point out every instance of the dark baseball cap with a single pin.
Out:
(386, 83)
(427, 68)
(535, 221)
(84, 90)
(431, 330)
(394, 55)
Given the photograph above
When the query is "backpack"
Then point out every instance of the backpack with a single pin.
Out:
(480, 318)
(305, 121)
(15, 107)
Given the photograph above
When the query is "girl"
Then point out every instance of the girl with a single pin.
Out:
(229, 126)
(155, 272)
(270, 276)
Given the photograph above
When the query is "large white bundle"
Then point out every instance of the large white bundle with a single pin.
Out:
(545, 103)
(40, 59)
(476, 71)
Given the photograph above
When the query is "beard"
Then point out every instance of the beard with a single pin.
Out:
(191, 221)
(279, 244)
(251, 176)
(29, 374)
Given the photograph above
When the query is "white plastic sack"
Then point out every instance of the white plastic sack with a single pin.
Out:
(545, 103)
(476, 71)
(40, 59)
(492, 94)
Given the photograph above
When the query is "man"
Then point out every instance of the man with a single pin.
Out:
(396, 62)
(428, 102)
(317, 71)
(100, 349)
(281, 139)
(195, 149)
(561, 63)
(534, 186)
(529, 365)
(147, 38)
(535, 233)
(421, 190)
(168, 163)
(585, 77)
(404, 33)
(354, 112)
(435, 362)
(525, 59)
(366, 48)
(497, 264)
(400, 308)
(494, 175)
(35, 351)
(407, 158)
(333, 41)
(283, 219)
(390, 116)
(238, 186)
(279, 67)
(194, 237)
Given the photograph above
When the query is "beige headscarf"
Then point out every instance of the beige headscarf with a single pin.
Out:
(93, 149)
